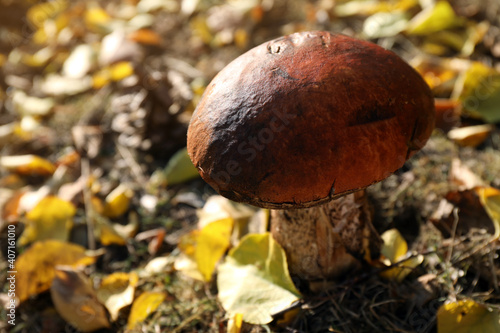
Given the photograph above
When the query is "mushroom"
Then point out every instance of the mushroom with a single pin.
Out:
(300, 125)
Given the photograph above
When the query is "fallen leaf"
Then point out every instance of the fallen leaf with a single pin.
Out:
(211, 244)
(41, 12)
(58, 85)
(80, 62)
(118, 201)
(470, 136)
(370, 7)
(394, 250)
(28, 165)
(96, 18)
(463, 176)
(146, 36)
(52, 218)
(447, 113)
(158, 265)
(478, 88)
(254, 280)
(75, 300)
(235, 323)
(36, 266)
(467, 316)
(490, 199)
(120, 70)
(30, 105)
(143, 306)
(434, 18)
(385, 24)
(107, 234)
(9, 206)
(117, 291)
(180, 169)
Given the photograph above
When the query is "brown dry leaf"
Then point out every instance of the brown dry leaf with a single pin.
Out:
(143, 306)
(117, 291)
(76, 301)
(52, 218)
(447, 113)
(28, 165)
(470, 136)
(471, 213)
(36, 266)
(10, 209)
(145, 36)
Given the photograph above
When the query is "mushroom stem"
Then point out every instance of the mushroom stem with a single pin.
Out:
(327, 241)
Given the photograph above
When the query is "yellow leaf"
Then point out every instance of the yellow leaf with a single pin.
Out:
(107, 233)
(187, 243)
(96, 17)
(254, 280)
(394, 250)
(143, 306)
(467, 316)
(35, 267)
(490, 199)
(121, 70)
(117, 291)
(434, 18)
(235, 323)
(100, 79)
(39, 13)
(118, 201)
(28, 165)
(213, 241)
(395, 246)
(52, 218)
(75, 300)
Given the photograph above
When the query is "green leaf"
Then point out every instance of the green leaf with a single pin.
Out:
(467, 316)
(434, 18)
(254, 280)
(180, 168)
(481, 92)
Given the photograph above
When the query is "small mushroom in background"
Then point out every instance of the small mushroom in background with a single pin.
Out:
(300, 125)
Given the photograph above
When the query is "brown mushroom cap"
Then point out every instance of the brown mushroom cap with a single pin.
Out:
(305, 118)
